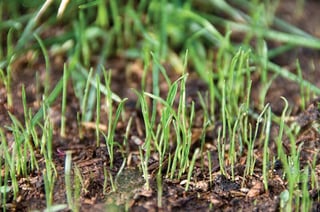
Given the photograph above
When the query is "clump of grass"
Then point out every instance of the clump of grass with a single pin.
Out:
(295, 196)
(144, 151)
(182, 126)
(50, 174)
(112, 118)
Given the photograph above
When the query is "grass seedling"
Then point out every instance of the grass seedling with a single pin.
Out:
(266, 158)
(290, 163)
(112, 118)
(306, 203)
(49, 180)
(50, 173)
(286, 197)
(182, 126)
(263, 53)
(232, 154)
(18, 151)
(98, 109)
(264, 90)
(235, 76)
(30, 133)
(113, 185)
(6, 79)
(305, 96)
(126, 136)
(10, 58)
(206, 114)
(48, 100)
(4, 186)
(144, 166)
(194, 157)
(84, 103)
(222, 138)
(47, 62)
(144, 157)
(221, 152)
(280, 134)
(250, 157)
(93, 82)
(177, 153)
(206, 124)
(68, 183)
(162, 136)
(9, 167)
(120, 170)
(64, 101)
(22, 152)
(244, 125)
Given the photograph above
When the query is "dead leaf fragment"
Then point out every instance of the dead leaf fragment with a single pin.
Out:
(256, 189)
(202, 185)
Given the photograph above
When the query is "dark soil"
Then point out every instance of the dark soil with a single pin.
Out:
(223, 194)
